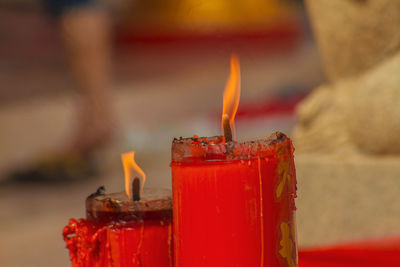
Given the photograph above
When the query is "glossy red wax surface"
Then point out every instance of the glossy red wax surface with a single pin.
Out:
(147, 244)
(236, 212)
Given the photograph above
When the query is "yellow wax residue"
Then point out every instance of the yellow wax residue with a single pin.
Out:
(283, 174)
(287, 246)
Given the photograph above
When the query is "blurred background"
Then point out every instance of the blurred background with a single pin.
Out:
(83, 81)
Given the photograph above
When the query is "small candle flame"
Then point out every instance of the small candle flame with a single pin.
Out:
(231, 96)
(131, 170)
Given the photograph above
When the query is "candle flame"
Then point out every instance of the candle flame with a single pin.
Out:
(131, 171)
(231, 96)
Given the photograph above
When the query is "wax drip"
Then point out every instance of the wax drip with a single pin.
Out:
(139, 249)
(261, 212)
(170, 244)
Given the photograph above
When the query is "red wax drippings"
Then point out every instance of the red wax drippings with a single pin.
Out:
(146, 243)
(83, 242)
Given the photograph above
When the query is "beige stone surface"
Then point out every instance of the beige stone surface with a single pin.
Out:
(342, 199)
(354, 35)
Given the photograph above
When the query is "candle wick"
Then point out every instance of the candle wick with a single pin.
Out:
(136, 189)
(100, 191)
(227, 128)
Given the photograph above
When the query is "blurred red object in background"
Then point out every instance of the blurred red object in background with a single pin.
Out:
(374, 253)
(272, 22)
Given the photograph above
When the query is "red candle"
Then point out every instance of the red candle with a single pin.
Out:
(121, 232)
(233, 203)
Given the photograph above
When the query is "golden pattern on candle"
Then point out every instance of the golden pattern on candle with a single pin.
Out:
(130, 167)
(287, 246)
(283, 174)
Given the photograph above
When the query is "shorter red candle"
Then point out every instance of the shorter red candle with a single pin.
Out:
(130, 229)
(120, 232)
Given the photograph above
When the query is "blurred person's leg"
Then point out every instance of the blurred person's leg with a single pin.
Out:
(86, 32)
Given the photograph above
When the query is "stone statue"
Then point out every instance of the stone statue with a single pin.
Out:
(358, 110)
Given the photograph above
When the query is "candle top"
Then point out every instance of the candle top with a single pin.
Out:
(208, 149)
(155, 204)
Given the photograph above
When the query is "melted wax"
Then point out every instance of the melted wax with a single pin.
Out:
(142, 244)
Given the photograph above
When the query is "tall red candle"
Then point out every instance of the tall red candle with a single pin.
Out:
(233, 203)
